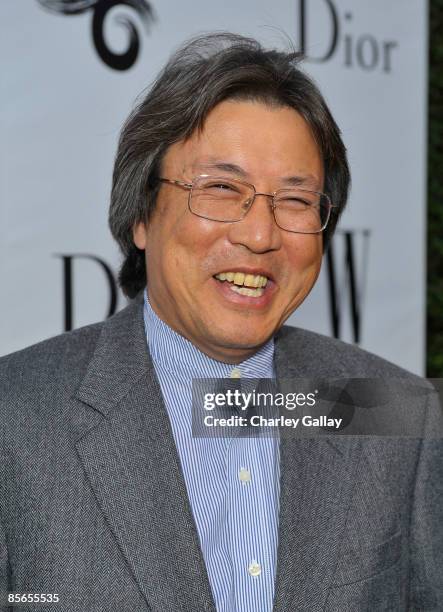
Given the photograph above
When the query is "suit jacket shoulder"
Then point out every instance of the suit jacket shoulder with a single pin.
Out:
(33, 378)
(45, 375)
(300, 352)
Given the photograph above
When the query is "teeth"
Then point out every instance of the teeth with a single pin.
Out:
(241, 279)
(246, 291)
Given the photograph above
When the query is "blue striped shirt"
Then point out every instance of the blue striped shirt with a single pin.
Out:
(233, 483)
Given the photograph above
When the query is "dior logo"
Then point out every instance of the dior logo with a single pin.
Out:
(354, 49)
(100, 10)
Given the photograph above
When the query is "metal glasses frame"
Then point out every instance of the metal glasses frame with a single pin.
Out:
(190, 186)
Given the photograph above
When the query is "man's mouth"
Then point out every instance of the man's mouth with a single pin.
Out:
(250, 285)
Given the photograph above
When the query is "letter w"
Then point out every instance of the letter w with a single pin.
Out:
(354, 289)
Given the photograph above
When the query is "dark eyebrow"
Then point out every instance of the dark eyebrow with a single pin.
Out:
(309, 181)
(223, 167)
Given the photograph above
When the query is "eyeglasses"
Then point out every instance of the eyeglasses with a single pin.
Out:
(228, 200)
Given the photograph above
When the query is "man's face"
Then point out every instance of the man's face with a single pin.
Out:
(264, 146)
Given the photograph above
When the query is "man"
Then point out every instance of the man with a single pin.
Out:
(229, 180)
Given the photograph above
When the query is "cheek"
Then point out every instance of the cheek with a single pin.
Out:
(186, 247)
(304, 257)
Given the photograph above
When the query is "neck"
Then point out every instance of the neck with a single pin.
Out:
(223, 353)
(230, 355)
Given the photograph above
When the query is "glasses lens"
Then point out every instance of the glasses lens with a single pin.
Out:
(220, 199)
(300, 210)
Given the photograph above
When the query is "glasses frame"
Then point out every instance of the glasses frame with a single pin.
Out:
(274, 205)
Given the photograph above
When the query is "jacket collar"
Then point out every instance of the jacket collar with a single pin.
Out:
(129, 456)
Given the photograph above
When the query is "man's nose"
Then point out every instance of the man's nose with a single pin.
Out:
(258, 230)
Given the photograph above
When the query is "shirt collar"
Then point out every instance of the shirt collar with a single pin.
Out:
(180, 357)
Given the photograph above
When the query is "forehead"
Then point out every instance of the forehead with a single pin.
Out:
(250, 139)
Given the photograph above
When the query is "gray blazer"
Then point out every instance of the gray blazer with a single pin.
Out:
(93, 504)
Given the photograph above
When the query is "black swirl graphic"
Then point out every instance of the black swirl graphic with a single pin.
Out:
(100, 8)
(124, 60)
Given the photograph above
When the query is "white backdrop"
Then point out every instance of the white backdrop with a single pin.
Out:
(62, 108)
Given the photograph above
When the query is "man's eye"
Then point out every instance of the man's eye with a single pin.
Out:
(296, 202)
(221, 189)
(221, 186)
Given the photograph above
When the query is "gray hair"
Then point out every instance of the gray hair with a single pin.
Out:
(200, 74)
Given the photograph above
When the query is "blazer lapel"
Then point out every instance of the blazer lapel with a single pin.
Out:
(317, 479)
(128, 452)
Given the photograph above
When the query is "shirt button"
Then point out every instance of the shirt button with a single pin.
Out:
(235, 373)
(254, 568)
(244, 475)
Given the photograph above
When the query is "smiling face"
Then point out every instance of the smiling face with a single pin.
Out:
(264, 146)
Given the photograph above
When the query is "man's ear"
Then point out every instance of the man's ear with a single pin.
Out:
(139, 235)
